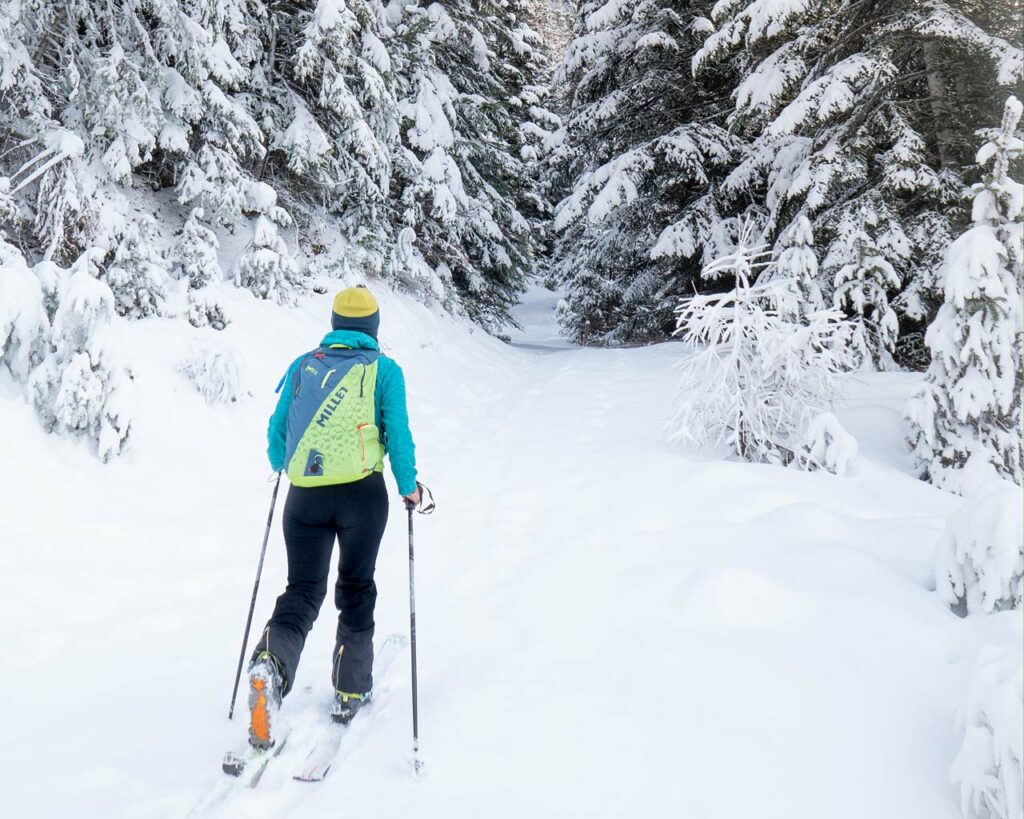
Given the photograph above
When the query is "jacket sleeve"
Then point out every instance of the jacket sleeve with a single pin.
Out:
(278, 427)
(395, 425)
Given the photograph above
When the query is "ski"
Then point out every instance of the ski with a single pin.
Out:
(250, 763)
(321, 756)
(324, 751)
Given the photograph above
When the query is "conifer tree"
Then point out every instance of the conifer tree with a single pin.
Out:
(136, 270)
(266, 267)
(212, 89)
(24, 327)
(862, 278)
(643, 145)
(979, 559)
(966, 417)
(860, 111)
(195, 253)
(532, 62)
(764, 376)
(222, 99)
(79, 389)
(461, 181)
(345, 119)
(797, 260)
(195, 260)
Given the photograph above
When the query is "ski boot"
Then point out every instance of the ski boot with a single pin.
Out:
(346, 706)
(264, 700)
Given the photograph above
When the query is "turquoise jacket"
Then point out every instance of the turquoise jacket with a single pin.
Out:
(388, 398)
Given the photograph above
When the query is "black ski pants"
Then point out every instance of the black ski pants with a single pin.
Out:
(314, 517)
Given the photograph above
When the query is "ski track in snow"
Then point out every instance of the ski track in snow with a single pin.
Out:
(607, 627)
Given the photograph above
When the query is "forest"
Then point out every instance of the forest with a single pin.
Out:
(789, 196)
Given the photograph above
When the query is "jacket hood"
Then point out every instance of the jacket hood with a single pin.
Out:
(349, 338)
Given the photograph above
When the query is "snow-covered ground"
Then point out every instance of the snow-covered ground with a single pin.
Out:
(607, 626)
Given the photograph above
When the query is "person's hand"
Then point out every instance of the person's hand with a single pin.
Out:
(413, 500)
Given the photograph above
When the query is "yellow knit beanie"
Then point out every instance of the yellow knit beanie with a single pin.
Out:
(355, 308)
(355, 302)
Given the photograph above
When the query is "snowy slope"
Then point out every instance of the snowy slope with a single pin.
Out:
(607, 627)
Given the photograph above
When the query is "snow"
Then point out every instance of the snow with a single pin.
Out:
(656, 39)
(769, 82)
(828, 96)
(611, 186)
(979, 560)
(536, 330)
(432, 128)
(828, 446)
(24, 327)
(223, 65)
(304, 140)
(942, 21)
(606, 627)
(988, 767)
(214, 372)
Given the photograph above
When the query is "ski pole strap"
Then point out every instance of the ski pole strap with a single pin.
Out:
(427, 504)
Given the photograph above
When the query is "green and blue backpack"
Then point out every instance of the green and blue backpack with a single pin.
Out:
(332, 435)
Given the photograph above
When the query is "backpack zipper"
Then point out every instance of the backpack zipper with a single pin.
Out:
(362, 441)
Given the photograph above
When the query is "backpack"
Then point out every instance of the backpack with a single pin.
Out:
(332, 436)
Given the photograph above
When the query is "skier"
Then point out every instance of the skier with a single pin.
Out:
(341, 408)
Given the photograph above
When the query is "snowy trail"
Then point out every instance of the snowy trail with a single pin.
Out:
(606, 627)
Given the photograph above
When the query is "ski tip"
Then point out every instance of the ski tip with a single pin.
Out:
(318, 776)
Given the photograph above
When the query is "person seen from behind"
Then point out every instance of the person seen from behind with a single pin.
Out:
(341, 408)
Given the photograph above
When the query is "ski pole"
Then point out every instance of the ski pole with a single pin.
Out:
(425, 493)
(412, 647)
(252, 603)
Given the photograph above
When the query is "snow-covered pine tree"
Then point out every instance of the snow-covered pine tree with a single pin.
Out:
(342, 120)
(761, 376)
(643, 145)
(826, 445)
(267, 267)
(428, 179)
(215, 373)
(24, 327)
(989, 765)
(538, 122)
(195, 253)
(195, 260)
(116, 109)
(460, 181)
(798, 261)
(861, 110)
(205, 308)
(533, 62)
(862, 279)
(64, 214)
(979, 560)
(214, 77)
(79, 389)
(135, 268)
(966, 417)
